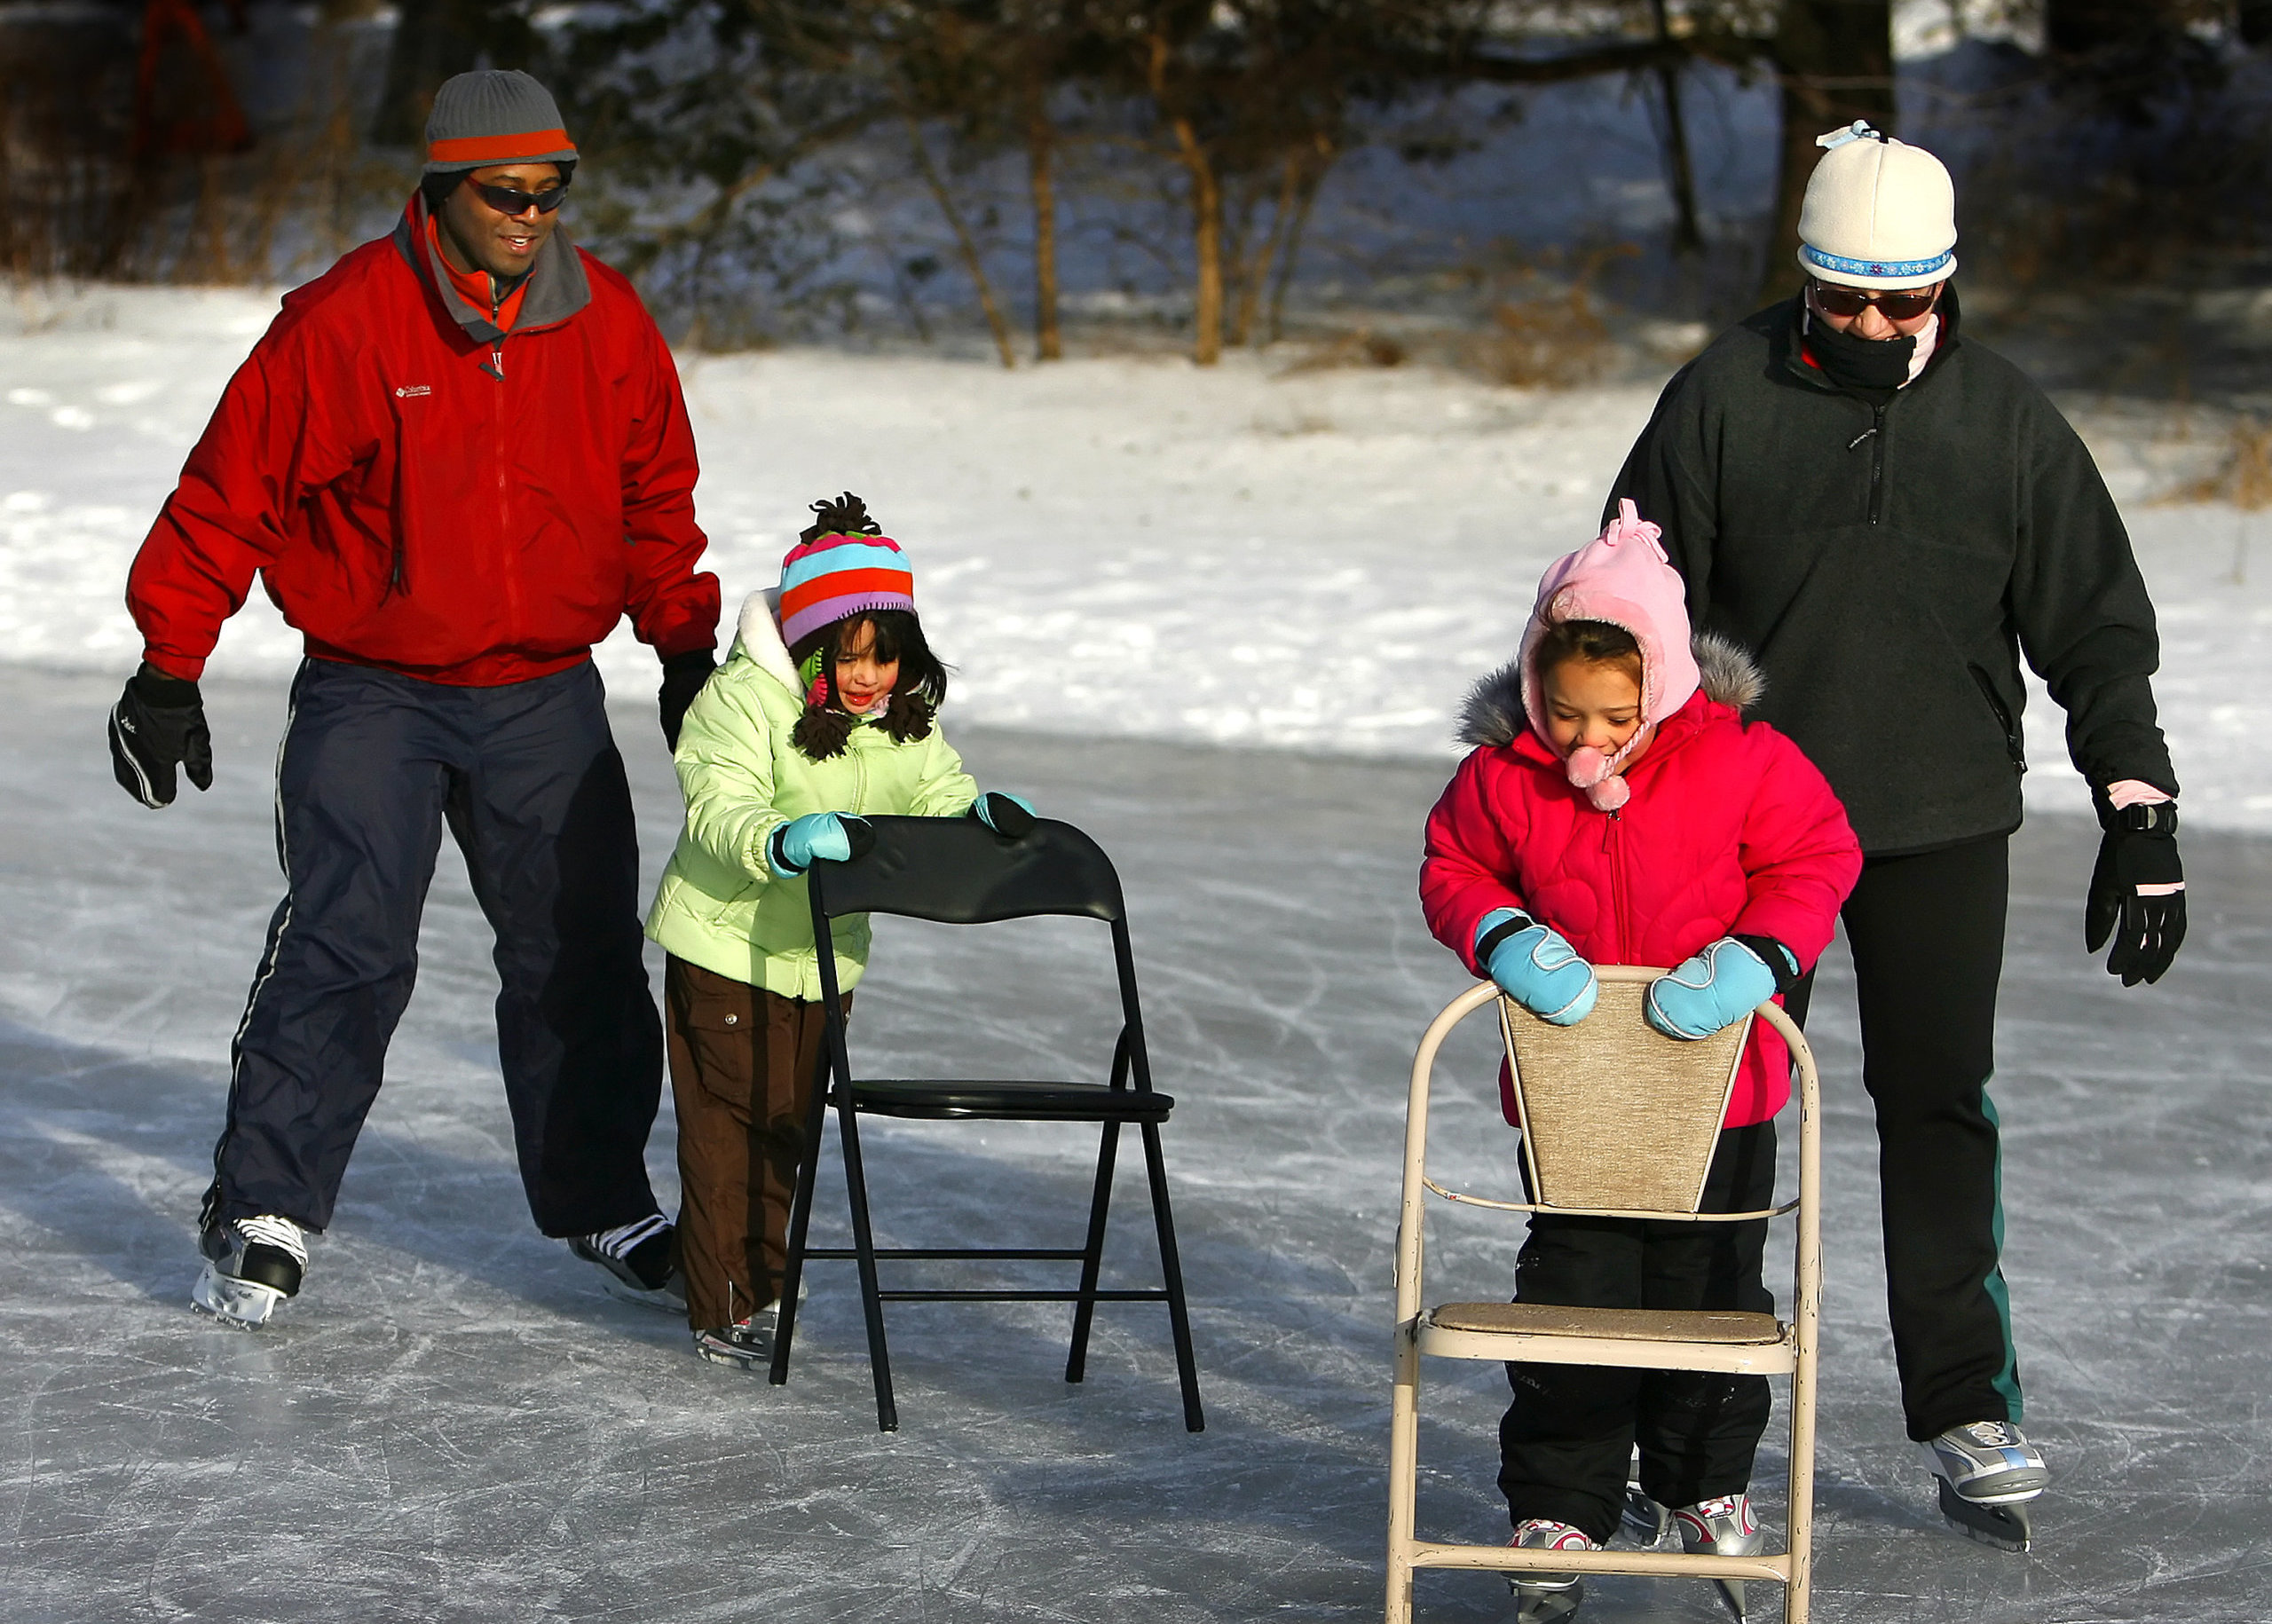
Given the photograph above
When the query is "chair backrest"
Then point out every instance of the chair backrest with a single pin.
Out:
(1615, 1115)
(958, 871)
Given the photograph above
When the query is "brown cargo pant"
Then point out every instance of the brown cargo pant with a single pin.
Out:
(742, 1075)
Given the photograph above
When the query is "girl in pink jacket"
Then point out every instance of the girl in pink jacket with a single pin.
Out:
(1618, 810)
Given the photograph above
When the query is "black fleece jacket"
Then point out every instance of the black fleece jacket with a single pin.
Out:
(1887, 562)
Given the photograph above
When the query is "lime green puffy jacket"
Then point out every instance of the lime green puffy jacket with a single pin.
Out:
(720, 905)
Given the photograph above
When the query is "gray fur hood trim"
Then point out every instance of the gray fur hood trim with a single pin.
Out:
(1492, 713)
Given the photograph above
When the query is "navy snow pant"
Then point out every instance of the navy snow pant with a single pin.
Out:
(1927, 931)
(527, 778)
(1566, 1439)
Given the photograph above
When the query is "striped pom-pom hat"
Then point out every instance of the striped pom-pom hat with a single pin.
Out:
(830, 577)
(494, 116)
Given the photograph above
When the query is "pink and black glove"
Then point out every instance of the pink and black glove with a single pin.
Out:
(2137, 893)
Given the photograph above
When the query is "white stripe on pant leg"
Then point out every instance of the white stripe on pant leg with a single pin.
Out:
(276, 942)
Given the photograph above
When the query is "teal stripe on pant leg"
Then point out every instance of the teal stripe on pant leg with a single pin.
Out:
(2008, 1379)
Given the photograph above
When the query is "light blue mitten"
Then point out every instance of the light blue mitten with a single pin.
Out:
(1535, 967)
(1718, 988)
(837, 836)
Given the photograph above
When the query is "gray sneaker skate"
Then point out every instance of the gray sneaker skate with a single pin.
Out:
(1723, 1526)
(1988, 1472)
(251, 1265)
(1547, 1598)
(639, 1263)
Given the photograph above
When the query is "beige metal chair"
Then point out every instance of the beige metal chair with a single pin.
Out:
(1619, 1123)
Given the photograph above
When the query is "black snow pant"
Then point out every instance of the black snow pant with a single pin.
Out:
(1927, 932)
(1566, 1441)
(527, 779)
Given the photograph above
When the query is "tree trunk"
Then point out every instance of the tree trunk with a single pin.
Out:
(1041, 144)
(964, 242)
(1313, 177)
(1207, 247)
(1252, 277)
(2256, 22)
(1835, 60)
(1687, 235)
(2084, 28)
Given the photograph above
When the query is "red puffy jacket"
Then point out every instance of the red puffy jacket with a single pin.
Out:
(426, 494)
(1730, 831)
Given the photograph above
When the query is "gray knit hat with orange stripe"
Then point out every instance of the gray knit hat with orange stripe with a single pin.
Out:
(494, 116)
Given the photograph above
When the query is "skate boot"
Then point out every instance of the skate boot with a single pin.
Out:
(1648, 1521)
(638, 1263)
(251, 1265)
(1547, 1598)
(1723, 1526)
(1988, 1472)
(746, 1344)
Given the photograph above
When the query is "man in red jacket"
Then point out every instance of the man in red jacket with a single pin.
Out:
(456, 459)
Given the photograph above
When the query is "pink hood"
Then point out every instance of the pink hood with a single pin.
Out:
(1623, 577)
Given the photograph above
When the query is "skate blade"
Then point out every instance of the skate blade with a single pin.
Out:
(662, 1298)
(1731, 1592)
(242, 1305)
(2007, 1527)
(1547, 1606)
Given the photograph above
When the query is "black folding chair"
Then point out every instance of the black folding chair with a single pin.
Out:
(957, 871)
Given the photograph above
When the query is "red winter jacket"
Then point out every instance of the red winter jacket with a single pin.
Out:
(426, 494)
(1730, 831)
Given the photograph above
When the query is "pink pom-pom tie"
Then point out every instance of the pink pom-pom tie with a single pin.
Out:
(1610, 793)
(1587, 767)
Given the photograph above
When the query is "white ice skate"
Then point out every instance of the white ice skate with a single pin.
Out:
(1547, 1598)
(1988, 1472)
(638, 1263)
(251, 1265)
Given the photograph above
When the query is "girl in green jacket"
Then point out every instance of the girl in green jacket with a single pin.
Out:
(826, 706)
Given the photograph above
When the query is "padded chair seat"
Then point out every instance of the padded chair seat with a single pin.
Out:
(1632, 1324)
(1010, 1102)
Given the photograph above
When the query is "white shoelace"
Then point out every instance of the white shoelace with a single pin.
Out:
(280, 1233)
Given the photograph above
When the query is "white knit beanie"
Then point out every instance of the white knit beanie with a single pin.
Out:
(1879, 213)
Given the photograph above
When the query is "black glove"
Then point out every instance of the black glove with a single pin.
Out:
(683, 675)
(1011, 816)
(2130, 899)
(159, 723)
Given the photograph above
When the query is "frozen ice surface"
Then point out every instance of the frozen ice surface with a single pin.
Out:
(452, 1423)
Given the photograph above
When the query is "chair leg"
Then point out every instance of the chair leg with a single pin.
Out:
(1171, 1276)
(1403, 1476)
(863, 1242)
(800, 1213)
(1108, 1149)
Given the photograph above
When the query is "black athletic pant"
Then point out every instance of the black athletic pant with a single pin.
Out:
(527, 779)
(1927, 937)
(1566, 1441)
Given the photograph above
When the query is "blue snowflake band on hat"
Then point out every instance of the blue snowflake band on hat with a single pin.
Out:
(1838, 264)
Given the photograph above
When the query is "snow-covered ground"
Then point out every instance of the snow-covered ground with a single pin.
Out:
(1262, 555)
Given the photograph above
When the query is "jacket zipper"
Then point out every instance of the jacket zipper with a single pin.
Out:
(2014, 745)
(496, 370)
(1875, 435)
(1616, 851)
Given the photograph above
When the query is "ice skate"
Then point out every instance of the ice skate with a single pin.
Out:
(1723, 1526)
(1547, 1598)
(746, 1344)
(1988, 1471)
(1646, 1520)
(638, 1263)
(251, 1265)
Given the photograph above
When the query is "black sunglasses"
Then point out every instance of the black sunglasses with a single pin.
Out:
(506, 200)
(1905, 304)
